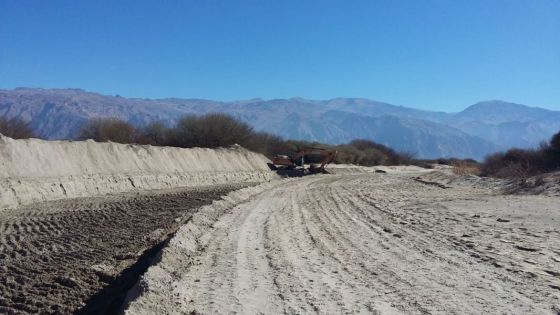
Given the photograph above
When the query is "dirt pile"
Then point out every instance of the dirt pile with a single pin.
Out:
(35, 170)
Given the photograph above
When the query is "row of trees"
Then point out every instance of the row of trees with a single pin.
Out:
(520, 163)
(207, 131)
(220, 130)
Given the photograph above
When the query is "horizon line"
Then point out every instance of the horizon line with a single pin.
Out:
(265, 99)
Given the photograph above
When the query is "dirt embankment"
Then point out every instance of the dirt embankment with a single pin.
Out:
(35, 170)
(79, 221)
(362, 243)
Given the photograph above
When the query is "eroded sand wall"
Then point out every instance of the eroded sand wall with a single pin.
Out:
(36, 170)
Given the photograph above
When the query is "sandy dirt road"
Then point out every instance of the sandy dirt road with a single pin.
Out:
(370, 243)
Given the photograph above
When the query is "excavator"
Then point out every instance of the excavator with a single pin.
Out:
(317, 158)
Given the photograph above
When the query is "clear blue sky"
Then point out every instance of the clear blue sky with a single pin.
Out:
(440, 55)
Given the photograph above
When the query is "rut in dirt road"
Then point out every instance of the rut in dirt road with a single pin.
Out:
(374, 243)
(56, 255)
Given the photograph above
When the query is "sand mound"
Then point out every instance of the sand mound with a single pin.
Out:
(35, 170)
(545, 184)
(446, 177)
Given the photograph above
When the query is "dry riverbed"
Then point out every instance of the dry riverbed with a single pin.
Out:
(362, 243)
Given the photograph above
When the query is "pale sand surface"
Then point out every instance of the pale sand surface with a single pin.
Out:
(361, 243)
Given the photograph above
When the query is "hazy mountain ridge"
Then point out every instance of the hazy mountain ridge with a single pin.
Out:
(508, 124)
(474, 132)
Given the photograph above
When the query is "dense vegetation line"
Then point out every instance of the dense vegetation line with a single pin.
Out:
(221, 130)
(524, 163)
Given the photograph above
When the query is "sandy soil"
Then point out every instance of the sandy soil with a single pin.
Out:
(363, 243)
(62, 257)
(33, 170)
(545, 184)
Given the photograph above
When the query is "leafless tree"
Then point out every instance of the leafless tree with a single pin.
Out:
(16, 128)
(211, 131)
(108, 129)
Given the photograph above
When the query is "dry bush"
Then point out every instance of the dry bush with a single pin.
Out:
(522, 164)
(211, 131)
(348, 155)
(379, 154)
(408, 158)
(369, 153)
(463, 167)
(268, 144)
(372, 156)
(514, 171)
(555, 142)
(108, 129)
(553, 151)
(220, 130)
(16, 128)
(155, 133)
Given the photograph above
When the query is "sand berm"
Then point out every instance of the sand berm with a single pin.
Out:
(35, 170)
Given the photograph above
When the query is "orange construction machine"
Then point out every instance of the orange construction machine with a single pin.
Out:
(317, 158)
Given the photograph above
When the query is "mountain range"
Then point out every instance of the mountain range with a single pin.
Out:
(478, 130)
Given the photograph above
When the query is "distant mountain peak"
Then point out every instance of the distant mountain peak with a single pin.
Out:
(500, 105)
(505, 110)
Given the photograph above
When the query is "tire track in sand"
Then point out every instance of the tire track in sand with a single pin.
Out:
(373, 243)
(55, 255)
